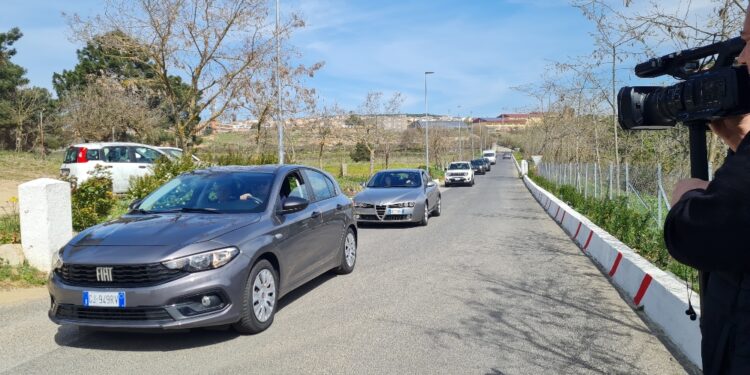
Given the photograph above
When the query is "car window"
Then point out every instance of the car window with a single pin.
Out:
(233, 192)
(70, 155)
(116, 154)
(293, 186)
(459, 166)
(144, 155)
(395, 179)
(320, 185)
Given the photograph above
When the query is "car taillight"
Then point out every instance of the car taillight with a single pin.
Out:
(82, 158)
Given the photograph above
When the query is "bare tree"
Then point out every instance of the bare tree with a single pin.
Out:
(105, 109)
(390, 136)
(218, 45)
(368, 133)
(27, 103)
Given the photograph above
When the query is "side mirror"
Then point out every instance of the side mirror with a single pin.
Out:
(431, 184)
(363, 184)
(293, 204)
(134, 204)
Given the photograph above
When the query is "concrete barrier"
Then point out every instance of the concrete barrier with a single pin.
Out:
(661, 296)
(46, 220)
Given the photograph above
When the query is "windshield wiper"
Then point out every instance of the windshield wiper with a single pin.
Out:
(140, 211)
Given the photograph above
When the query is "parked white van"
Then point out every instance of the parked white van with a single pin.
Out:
(124, 160)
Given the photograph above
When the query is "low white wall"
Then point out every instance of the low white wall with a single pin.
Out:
(661, 295)
(46, 220)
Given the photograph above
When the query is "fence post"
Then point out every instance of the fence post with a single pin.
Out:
(586, 182)
(611, 170)
(596, 182)
(627, 185)
(658, 193)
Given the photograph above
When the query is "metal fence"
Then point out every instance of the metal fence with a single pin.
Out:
(644, 186)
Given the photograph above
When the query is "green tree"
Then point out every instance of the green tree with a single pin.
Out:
(11, 75)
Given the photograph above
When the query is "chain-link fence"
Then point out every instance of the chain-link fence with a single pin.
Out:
(644, 186)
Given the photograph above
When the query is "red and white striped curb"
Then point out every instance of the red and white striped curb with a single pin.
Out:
(662, 296)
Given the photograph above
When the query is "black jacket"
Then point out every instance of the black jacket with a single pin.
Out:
(709, 230)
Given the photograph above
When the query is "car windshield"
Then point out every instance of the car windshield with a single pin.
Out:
(490, 154)
(477, 162)
(459, 166)
(395, 180)
(230, 192)
(173, 152)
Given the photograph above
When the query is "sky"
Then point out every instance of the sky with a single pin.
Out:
(478, 49)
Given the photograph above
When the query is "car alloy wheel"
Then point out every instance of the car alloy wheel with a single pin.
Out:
(426, 216)
(439, 208)
(348, 254)
(264, 295)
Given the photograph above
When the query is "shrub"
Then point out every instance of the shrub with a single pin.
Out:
(163, 170)
(10, 223)
(238, 158)
(360, 152)
(92, 200)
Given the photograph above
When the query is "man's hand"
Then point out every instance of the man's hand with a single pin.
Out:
(686, 185)
(245, 196)
(731, 129)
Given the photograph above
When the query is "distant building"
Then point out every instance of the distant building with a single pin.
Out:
(441, 124)
(510, 121)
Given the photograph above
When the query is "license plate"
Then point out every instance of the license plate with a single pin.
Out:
(395, 211)
(104, 299)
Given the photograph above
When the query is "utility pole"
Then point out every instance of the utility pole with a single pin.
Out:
(279, 121)
(426, 127)
(41, 133)
(460, 140)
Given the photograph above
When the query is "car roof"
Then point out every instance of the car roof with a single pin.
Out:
(106, 144)
(459, 161)
(266, 168)
(402, 170)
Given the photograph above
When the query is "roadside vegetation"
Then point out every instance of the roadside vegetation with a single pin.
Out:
(22, 276)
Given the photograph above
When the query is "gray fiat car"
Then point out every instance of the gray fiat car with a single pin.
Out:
(212, 247)
(404, 195)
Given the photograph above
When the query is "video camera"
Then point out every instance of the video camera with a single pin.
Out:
(717, 89)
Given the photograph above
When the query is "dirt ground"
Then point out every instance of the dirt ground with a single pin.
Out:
(21, 294)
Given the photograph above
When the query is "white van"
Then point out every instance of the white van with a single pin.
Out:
(124, 160)
(490, 155)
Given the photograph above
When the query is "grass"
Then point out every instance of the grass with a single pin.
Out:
(23, 276)
(10, 223)
(23, 166)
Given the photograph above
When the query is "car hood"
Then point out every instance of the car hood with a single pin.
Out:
(163, 229)
(389, 195)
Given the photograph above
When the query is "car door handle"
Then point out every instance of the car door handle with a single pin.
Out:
(315, 214)
(339, 207)
(142, 166)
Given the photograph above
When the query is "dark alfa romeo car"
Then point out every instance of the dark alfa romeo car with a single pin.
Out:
(211, 247)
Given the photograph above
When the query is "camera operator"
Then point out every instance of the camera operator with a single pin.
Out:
(708, 228)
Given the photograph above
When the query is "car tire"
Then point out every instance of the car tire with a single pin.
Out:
(250, 322)
(439, 208)
(426, 217)
(348, 248)
(447, 184)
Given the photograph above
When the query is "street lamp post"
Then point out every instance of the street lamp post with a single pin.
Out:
(279, 122)
(460, 140)
(426, 127)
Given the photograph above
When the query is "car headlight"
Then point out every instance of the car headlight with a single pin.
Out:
(403, 205)
(57, 262)
(203, 261)
(362, 205)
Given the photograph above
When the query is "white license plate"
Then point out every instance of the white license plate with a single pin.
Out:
(104, 299)
(395, 211)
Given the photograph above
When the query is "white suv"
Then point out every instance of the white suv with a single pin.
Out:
(459, 172)
(490, 155)
(124, 161)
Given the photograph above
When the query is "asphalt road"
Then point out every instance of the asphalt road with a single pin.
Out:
(492, 286)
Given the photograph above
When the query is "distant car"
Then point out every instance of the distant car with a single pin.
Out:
(403, 195)
(507, 155)
(479, 166)
(124, 161)
(176, 153)
(211, 247)
(459, 172)
(491, 155)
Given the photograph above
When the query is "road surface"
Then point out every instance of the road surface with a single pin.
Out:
(493, 286)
